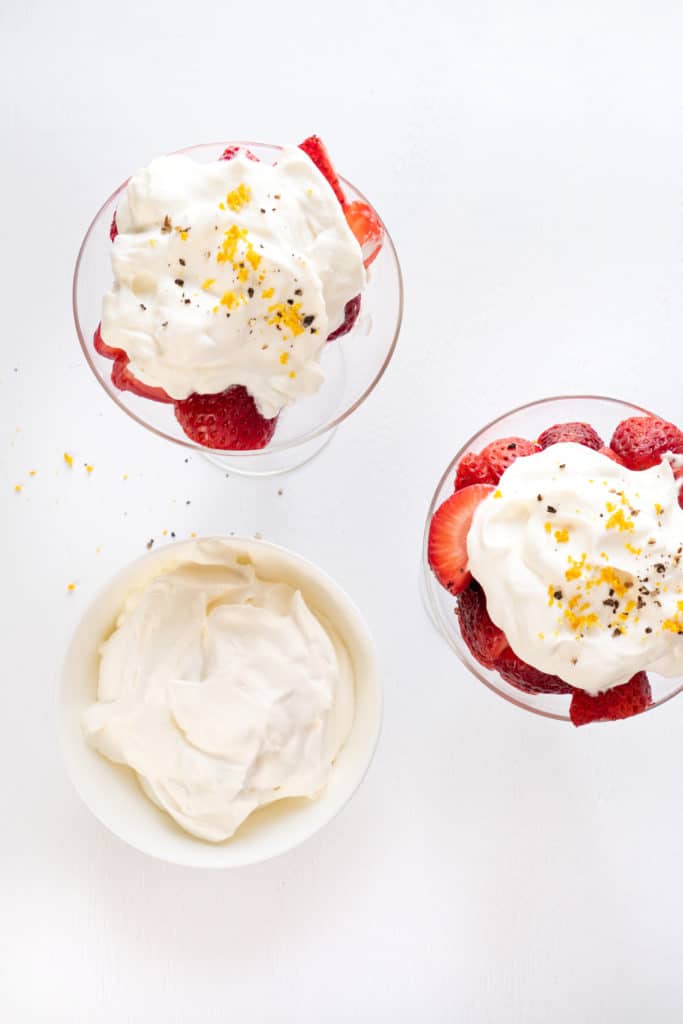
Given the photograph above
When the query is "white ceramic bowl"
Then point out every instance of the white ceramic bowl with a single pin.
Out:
(112, 792)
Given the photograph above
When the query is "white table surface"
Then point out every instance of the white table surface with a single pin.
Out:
(494, 867)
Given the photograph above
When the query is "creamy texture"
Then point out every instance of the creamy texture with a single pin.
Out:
(222, 690)
(581, 561)
(232, 272)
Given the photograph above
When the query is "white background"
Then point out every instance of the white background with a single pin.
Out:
(494, 867)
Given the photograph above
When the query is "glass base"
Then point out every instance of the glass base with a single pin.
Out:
(269, 464)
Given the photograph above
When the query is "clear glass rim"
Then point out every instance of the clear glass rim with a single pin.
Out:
(430, 580)
(272, 448)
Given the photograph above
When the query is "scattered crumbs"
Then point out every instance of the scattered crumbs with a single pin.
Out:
(97, 550)
(125, 476)
(173, 533)
(188, 502)
(150, 543)
(280, 492)
(18, 488)
(258, 536)
(193, 534)
(498, 494)
(68, 459)
(88, 467)
(164, 533)
(71, 587)
(539, 497)
(32, 472)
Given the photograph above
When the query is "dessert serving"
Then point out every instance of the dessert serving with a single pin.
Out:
(565, 556)
(230, 276)
(222, 689)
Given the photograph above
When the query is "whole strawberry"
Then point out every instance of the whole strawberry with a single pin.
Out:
(499, 455)
(228, 420)
(578, 433)
(642, 440)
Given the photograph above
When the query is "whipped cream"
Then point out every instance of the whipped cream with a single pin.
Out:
(581, 561)
(222, 690)
(231, 272)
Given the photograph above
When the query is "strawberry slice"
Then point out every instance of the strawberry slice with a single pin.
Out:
(620, 702)
(227, 420)
(231, 152)
(502, 453)
(447, 541)
(314, 148)
(101, 346)
(368, 229)
(123, 379)
(351, 312)
(484, 639)
(113, 227)
(578, 433)
(642, 440)
(525, 677)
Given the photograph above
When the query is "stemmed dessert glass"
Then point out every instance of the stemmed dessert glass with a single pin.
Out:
(353, 364)
(527, 421)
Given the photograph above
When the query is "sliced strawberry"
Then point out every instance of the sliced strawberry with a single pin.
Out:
(502, 453)
(123, 379)
(228, 420)
(620, 702)
(642, 440)
(484, 639)
(447, 542)
(231, 152)
(613, 456)
(579, 433)
(472, 469)
(526, 677)
(351, 312)
(113, 227)
(101, 346)
(314, 148)
(368, 229)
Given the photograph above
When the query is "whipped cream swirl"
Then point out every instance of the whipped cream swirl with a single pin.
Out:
(222, 690)
(231, 272)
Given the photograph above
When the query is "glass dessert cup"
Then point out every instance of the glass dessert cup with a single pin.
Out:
(527, 421)
(352, 365)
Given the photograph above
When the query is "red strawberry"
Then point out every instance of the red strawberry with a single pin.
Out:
(229, 419)
(314, 148)
(484, 639)
(351, 311)
(620, 702)
(472, 469)
(642, 440)
(101, 346)
(526, 677)
(612, 455)
(579, 433)
(123, 379)
(502, 453)
(368, 229)
(232, 151)
(113, 227)
(447, 542)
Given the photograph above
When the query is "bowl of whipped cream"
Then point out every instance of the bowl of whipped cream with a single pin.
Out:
(219, 702)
